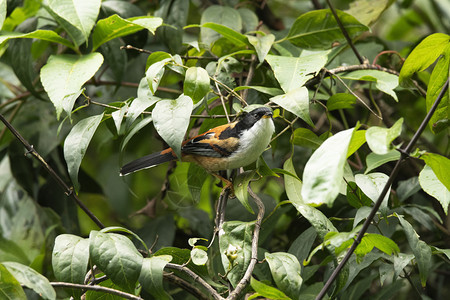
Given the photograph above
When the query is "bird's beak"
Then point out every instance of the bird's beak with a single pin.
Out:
(268, 114)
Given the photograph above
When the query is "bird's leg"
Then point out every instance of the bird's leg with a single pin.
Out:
(227, 184)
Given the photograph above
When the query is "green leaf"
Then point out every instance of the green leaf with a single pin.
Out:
(324, 170)
(262, 45)
(440, 119)
(80, 14)
(318, 29)
(235, 247)
(372, 185)
(317, 219)
(266, 291)
(76, 144)
(196, 83)
(367, 11)
(9, 286)
(301, 246)
(31, 279)
(114, 27)
(421, 250)
(141, 124)
(297, 102)
(440, 165)
(117, 257)
(70, 258)
(265, 90)
(199, 256)
(293, 185)
(64, 75)
(434, 187)
(11, 251)
(340, 101)
(285, 270)
(171, 119)
(374, 160)
(155, 72)
(221, 15)
(294, 72)
(379, 139)
(306, 138)
(240, 188)
(424, 55)
(144, 100)
(371, 240)
(358, 139)
(151, 277)
(45, 35)
(118, 116)
(230, 34)
(385, 82)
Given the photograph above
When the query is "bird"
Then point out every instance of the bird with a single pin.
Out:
(230, 146)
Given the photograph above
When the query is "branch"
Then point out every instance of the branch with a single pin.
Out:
(96, 288)
(345, 33)
(196, 278)
(67, 190)
(185, 286)
(253, 259)
(405, 153)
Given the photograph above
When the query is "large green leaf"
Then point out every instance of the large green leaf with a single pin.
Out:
(341, 101)
(11, 251)
(9, 286)
(371, 240)
(294, 72)
(384, 81)
(374, 160)
(235, 247)
(151, 276)
(379, 139)
(424, 55)
(292, 185)
(220, 15)
(285, 270)
(318, 29)
(262, 45)
(64, 75)
(45, 35)
(31, 279)
(372, 185)
(421, 250)
(306, 138)
(240, 188)
(440, 165)
(196, 83)
(440, 119)
(324, 170)
(144, 100)
(297, 102)
(434, 187)
(114, 27)
(79, 13)
(171, 119)
(76, 144)
(117, 257)
(70, 259)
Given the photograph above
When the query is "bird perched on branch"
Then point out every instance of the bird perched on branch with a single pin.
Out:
(229, 146)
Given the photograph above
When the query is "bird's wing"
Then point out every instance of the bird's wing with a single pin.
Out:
(208, 144)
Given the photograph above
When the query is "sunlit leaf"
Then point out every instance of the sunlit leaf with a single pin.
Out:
(367, 11)
(9, 286)
(266, 291)
(379, 139)
(220, 15)
(64, 76)
(297, 102)
(434, 187)
(374, 160)
(262, 45)
(45, 35)
(440, 165)
(199, 256)
(324, 170)
(372, 184)
(384, 81)
(424, 55)
(196, 83)
(171, 119)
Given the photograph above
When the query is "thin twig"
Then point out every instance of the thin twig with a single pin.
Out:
(345, 33)
(67, 190)
(254, 255)
(197, 278)
(96, 288)
(185, 286)
(405, 153)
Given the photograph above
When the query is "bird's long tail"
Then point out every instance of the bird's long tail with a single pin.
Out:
(148, 161)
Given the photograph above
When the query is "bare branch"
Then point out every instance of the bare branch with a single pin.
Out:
(96, 288)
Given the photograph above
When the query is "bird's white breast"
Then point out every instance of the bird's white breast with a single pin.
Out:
(252, 143)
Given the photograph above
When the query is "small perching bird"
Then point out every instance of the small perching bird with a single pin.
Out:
(228, 146)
